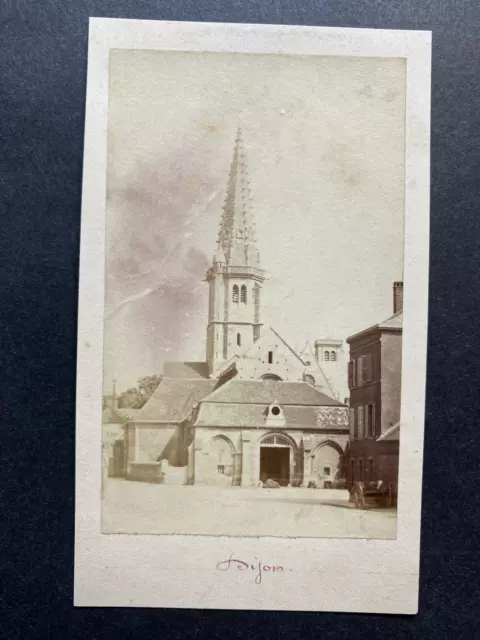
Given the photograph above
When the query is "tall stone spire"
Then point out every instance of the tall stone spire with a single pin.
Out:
(236, 237)
(235, 278)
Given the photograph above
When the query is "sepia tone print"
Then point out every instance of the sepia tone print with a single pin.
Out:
(254, 295)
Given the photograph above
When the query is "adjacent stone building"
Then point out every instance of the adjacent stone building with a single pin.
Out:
(374, 375)
(113, 424)
(255, 409)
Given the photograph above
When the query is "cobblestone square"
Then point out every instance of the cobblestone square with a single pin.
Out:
(136, 507)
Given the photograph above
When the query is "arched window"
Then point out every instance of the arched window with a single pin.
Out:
(271, 376)
(235, 293)
(243, 294)
(309, 379)
(326, 356)
(239, 340)
(333, 356)
(275, 440)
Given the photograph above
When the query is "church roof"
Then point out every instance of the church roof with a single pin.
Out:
(191, 370)
(247, 415)
(264, 392)
(173, 399)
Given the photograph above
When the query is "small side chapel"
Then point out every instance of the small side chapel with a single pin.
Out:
(255, 410)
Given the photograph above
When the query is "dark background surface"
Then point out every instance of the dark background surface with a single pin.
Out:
(43, 54)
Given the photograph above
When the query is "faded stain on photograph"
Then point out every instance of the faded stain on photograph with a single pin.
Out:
(253, 297)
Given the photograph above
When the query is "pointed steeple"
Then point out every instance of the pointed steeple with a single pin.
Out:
(237, 237)
(235, 278)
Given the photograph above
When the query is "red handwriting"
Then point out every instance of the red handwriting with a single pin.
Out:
(258, 568)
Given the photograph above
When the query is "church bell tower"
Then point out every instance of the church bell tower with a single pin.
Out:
(235, 277)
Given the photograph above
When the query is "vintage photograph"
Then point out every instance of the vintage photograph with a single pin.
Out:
(254, 278)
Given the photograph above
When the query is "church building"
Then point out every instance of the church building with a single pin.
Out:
(254, 410)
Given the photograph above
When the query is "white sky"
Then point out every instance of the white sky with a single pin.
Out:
(324, 143)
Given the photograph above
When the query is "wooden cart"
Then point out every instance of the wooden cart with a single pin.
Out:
(373, 494)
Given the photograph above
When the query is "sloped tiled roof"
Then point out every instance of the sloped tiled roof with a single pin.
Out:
(393, 322)
(173, 399)
(190, 370)
(392, 433)
(264, 392)
(253, 415)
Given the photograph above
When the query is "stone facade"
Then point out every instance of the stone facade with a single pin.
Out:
(255, 410)
(306, 457)
(113, 436)
(375, 397)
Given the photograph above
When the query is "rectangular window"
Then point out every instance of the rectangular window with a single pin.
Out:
(368, 368)
(376, 422)
(221, 469)
(360, 422)
(370, 467)
(354, 373)
(326, 471)
(352, 424)
(370, 424)
(350, 374)
(270, 357)
(364, 369)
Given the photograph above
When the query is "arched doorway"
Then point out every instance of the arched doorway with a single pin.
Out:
(326, 464)
(277, 459)
(218, 465)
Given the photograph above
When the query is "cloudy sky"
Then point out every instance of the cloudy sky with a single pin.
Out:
(324, 141)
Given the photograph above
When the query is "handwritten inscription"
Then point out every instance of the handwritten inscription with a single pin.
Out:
(257, 569)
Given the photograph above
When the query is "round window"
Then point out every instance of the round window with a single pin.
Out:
(276, 411)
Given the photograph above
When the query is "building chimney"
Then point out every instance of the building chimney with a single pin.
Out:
(397, 297)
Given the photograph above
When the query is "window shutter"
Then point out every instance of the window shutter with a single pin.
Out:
(360, 370)
(360, 422)
(369, 368)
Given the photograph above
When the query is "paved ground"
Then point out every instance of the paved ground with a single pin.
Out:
(137, 507)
